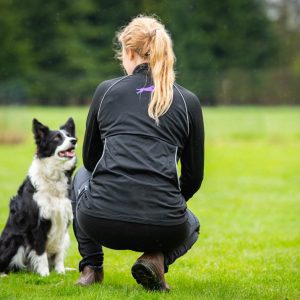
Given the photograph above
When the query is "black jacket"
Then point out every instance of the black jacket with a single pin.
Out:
(133, 161)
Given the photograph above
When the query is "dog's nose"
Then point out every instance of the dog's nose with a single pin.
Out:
(73, 141)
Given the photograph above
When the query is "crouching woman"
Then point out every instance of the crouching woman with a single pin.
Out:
(128, 195)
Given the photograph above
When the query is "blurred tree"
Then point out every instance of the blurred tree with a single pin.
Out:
(212, 37)
(57, 31)
(57, 52)
(15, 47)
(285, 15)
(15, 54)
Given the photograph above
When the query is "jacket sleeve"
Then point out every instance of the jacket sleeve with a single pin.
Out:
(192, 158)
(92, 145)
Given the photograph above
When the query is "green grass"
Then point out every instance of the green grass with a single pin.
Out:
(249, 208)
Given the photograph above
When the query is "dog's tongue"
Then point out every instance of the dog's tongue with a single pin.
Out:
(70, 153)
(67, 153)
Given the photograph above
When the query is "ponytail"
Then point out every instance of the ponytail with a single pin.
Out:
(149, 38)
(161, 61)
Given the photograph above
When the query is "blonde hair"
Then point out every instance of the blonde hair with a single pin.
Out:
(149, 39)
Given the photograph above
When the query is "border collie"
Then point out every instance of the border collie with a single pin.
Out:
(35, 235)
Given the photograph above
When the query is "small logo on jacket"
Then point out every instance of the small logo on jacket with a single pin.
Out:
(145, 89)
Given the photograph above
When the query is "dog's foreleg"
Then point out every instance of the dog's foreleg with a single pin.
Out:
(39, 263)
(38, 256)
(60, 255)
(59, 262)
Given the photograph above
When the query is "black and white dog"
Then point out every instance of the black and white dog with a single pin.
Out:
(35, 235)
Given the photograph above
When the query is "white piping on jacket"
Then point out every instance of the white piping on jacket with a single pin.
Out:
(104, 149)
(187, 115)
(177, 168)
(107, 92)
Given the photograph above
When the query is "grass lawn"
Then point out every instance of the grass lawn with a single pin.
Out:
(248, 205)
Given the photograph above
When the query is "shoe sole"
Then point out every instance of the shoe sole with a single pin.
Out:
(146, 276)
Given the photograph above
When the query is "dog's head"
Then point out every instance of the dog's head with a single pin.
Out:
(59, 144)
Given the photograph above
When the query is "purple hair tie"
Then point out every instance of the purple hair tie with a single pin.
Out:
(145, 89)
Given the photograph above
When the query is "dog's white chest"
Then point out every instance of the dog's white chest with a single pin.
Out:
(59, 212)
(60, 216)
(51, 197)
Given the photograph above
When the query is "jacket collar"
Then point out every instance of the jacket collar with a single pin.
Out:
(142, 68)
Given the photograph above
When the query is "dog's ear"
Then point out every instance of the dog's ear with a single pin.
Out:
(39, 130)
(69, 127)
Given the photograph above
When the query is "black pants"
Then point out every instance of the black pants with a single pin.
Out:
(93, 233)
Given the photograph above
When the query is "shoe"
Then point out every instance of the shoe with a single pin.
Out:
(148, 271)
(90, 276)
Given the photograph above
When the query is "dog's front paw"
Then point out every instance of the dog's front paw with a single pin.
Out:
(60, 269)
(43, 272)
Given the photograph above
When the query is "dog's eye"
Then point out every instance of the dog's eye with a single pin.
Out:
(57, 138)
